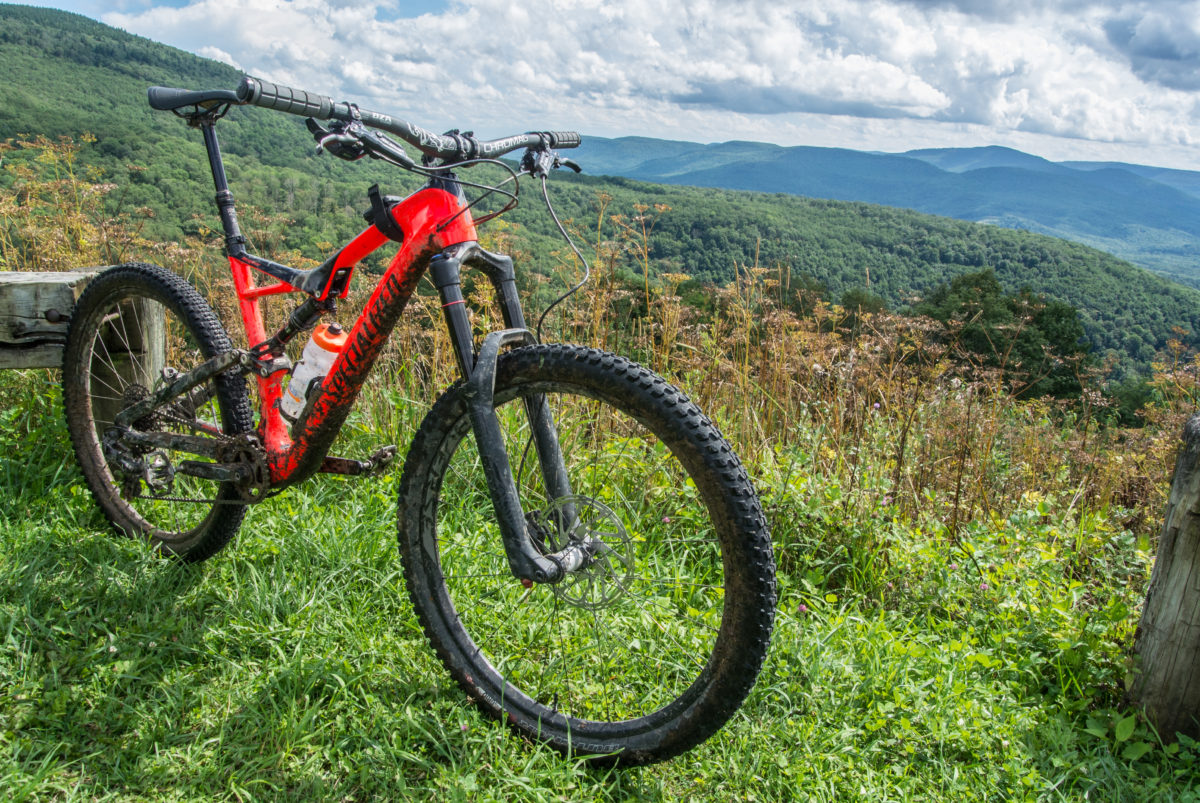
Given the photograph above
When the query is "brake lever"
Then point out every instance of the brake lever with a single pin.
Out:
(319, 132)
(380, 147)
(337, 139)
(539, 163)
(343, 142)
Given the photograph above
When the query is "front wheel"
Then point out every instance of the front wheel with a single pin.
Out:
(652, 645)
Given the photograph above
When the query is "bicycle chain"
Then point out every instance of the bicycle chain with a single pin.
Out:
(243, 448)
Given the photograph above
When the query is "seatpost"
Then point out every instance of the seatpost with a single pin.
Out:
(235, 243)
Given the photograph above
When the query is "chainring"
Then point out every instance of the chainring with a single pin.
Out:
(246, 451)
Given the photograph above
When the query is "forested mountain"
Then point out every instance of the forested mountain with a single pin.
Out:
(961, 160)
(1183, 180)
(66, 75)
(1148, 215)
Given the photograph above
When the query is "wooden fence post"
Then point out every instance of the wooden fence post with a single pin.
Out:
(35, 309)
(1167, 680)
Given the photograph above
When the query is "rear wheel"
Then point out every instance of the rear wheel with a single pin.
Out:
(135, 327)
(651, 647)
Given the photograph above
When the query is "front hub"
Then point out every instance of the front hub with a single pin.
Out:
(586, 538)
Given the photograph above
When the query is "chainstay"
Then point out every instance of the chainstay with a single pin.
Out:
(229, 440)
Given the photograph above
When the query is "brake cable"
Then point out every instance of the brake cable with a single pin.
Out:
(439, 171)
(587, 270)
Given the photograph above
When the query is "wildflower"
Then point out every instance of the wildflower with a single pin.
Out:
(465, 727)
(890, 586)
(983, 586)
(803, 608)
(875, 406)
(112, 647)
(953, 567)
(666, 519)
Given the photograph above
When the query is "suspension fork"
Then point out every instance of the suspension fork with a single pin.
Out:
(479, 371)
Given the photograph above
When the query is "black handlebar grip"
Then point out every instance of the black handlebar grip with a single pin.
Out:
(564, 139)
(284, 99)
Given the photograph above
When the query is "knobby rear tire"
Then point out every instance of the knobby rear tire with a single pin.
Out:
(649, 652)
(116, 341)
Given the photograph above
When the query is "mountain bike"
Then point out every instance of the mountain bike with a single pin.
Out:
(583, 549)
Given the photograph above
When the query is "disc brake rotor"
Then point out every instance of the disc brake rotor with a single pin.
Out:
(582, 520)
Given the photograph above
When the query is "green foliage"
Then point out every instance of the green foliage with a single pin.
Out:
(1036, 344)
(863, 301)
(858, 303)
(1132, 396)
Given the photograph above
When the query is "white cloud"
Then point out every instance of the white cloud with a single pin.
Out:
(217, 54)
(1069, 73)
(1161, 42)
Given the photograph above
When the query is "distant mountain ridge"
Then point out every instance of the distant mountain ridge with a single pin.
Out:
(1147, 215)
(962, 160)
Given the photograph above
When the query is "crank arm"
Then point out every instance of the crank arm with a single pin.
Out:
(221, 472)
(201, 373)
(373, 466)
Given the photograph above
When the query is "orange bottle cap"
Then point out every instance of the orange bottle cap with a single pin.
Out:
(331, 336)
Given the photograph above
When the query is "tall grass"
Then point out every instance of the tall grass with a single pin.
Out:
(960, 572)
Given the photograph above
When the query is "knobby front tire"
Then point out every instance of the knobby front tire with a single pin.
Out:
(132, 322)
(648, 651)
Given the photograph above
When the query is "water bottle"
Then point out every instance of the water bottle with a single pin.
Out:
(326, 343)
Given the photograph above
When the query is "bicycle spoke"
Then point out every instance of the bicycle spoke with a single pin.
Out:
(567, 657)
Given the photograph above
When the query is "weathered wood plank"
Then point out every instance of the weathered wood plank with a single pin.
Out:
(40, 355)
(35, 309)
(1167, 678)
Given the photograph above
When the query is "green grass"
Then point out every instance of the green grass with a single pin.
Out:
(291, 667)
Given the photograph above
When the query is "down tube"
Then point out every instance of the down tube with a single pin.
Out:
(311, 443)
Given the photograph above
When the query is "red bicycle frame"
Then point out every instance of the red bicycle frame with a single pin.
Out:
(432, 220)
(436, 233)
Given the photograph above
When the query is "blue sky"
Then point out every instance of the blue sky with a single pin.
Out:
(1066, 79)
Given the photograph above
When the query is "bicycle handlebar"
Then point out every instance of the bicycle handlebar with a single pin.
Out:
(453, 146)
(284, 99)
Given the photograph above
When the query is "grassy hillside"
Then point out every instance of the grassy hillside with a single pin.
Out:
(291, 666)
(68, 75)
